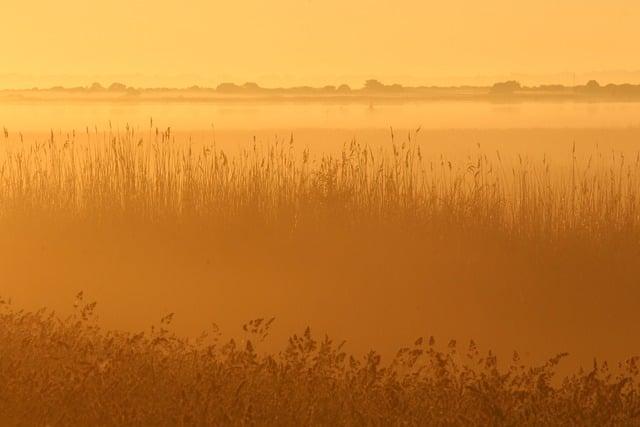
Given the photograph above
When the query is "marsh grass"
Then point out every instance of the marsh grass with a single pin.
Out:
(152, 178)
(547, 243)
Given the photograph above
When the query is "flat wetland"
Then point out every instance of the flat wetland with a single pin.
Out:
(515, 225)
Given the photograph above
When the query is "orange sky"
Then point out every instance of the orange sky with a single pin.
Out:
(289, 42)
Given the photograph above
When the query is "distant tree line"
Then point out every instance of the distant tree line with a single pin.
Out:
(376, 87)
(591, 88)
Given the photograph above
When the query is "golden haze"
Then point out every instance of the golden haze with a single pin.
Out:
(293, 42)
(408, 219)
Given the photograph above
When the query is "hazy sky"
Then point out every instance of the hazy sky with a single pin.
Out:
(313, 41)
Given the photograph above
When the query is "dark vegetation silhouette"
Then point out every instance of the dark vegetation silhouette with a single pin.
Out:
(68, 371)
(506, 88)
(373, 87)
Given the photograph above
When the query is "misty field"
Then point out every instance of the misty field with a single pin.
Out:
(380, 243)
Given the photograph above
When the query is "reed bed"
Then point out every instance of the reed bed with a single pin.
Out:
(153, 178)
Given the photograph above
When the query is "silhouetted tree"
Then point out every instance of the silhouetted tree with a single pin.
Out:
(250, 86)
(373, 84)
(228, 88)
(507, 87)
(117, 87)
(593, 86)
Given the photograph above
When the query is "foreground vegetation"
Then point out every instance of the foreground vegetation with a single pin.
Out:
(68, 371)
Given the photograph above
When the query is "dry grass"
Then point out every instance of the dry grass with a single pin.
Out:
(68, 371)
(152, 178)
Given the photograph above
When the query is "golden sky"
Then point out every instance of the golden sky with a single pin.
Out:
(289, 42)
